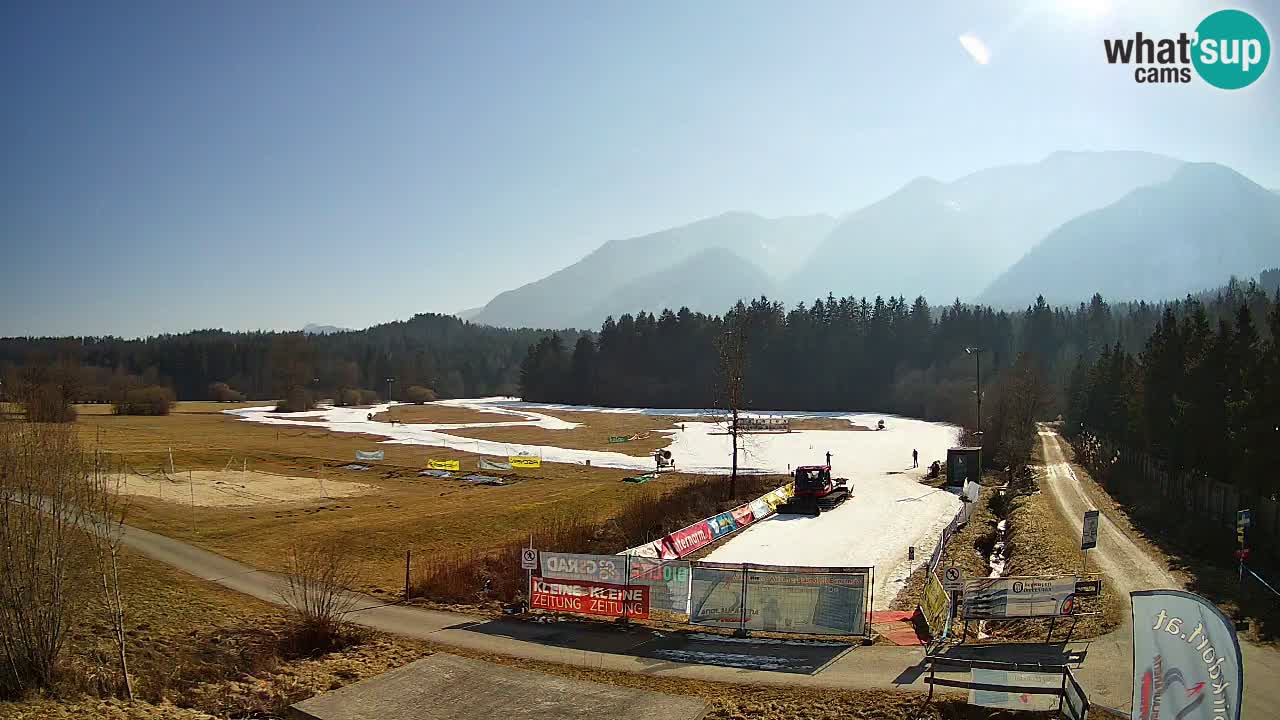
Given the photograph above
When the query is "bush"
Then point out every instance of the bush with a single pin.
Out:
(317, 593)
(346, 397)
(152, 400)
(297, 400)
(417, 394)
(222, 392)
(47, 404)
(477, 576)
(368, 397)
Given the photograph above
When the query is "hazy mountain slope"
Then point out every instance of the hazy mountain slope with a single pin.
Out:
(711, 281)
(314, 329)
(1206, 223)
(468, 313)
(952, 239)
(562, 297)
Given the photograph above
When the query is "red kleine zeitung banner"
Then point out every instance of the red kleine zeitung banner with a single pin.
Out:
(577, 596)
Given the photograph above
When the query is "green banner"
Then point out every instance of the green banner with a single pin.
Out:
(618, 438)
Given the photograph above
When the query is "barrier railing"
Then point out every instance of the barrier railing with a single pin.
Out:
(1008, 685)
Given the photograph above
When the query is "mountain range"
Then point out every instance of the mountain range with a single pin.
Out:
(1131, 225)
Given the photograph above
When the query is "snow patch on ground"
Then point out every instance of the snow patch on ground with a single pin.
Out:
(888, 512)
(874, 528)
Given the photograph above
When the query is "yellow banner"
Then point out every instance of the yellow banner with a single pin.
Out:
(934, 604)
(525, 461)
(444, 465)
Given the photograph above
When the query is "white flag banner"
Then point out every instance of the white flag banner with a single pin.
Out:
(1186, 659)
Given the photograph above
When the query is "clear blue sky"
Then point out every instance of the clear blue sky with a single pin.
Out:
(170, 166)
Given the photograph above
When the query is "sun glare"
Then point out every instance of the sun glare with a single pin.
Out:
(1085, 8)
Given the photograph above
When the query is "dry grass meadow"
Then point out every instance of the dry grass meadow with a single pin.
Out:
(198, 651)
(397, 511)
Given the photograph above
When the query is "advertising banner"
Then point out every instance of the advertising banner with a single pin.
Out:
(722, 524)
(934, 604)
(525, 461)
(444, 465)
(490, 465)
(687, 540)
(667, 580)
(1186, 658)
(760, 509)
(742, 515)
(375, 455)
(1016, 696)
(1089, 530)
(608, 569)
(590, 598)
(619, 438)
(1014, 597)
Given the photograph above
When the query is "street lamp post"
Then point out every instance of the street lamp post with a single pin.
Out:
(389, 381)
(976, 352)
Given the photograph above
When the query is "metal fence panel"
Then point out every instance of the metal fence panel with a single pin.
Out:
(715, 596)
(1075, 704)
(814, 603)
(667, 580)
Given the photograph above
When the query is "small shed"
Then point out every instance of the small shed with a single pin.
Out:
(963, 464)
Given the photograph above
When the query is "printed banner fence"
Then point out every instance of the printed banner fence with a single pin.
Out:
(374, 455)
(590, 598)
(524, 461)
(667, 580)
(771, 598)
(935, 605)
(694, 537)
(1018, 597)
(1186, 658)
(444, 465)
(490, 465)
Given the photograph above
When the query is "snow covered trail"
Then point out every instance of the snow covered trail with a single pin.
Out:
(886, 514)
(701, 447)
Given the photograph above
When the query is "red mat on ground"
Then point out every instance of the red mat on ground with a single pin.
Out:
(896, 627)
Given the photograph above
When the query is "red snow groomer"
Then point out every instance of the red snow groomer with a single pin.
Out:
(815, 491)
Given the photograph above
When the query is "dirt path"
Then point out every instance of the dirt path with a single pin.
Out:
(1106, 672)
(1126, 566)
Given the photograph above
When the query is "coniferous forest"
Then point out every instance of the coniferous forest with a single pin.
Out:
(1194, 382)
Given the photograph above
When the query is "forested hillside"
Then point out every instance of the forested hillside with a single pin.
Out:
(440, 352)
(849, 353)
(1202, 394)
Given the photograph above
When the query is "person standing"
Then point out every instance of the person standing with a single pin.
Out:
(915, 458)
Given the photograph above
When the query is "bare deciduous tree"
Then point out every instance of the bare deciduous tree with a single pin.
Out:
(731, 347)
(58, 515)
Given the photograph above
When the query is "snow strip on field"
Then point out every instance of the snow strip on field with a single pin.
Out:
(701, 447)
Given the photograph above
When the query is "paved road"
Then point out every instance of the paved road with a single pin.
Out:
(1106, 674)
(638, 650)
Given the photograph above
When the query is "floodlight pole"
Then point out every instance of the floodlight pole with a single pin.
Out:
(976, 352)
